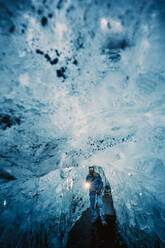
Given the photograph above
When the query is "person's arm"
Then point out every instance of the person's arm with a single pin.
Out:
(100, 184)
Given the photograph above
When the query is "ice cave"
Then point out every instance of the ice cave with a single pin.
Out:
(82, 83)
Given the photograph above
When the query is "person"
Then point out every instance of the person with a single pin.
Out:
(95, 194)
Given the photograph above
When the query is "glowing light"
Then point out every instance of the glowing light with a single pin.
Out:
(104, 23)
(87, 185)
(111, 24)
(4, 203)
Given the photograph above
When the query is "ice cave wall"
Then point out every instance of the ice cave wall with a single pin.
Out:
(82, 82)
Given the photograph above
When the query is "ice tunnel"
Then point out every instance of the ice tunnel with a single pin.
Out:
(82, 82)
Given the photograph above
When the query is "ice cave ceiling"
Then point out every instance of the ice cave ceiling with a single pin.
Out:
(81, 83)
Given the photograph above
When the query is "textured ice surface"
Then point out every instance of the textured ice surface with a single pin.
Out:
(81, 83)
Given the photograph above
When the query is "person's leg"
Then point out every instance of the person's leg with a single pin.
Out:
(101, 206)
(92, 206)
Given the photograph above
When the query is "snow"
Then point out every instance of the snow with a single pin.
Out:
(82, 86)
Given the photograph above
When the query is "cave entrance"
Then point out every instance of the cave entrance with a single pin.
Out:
(85, 234)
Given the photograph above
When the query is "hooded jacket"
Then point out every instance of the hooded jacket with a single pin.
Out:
(95, 181)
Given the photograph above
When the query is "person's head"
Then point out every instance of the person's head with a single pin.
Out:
(91, 169)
